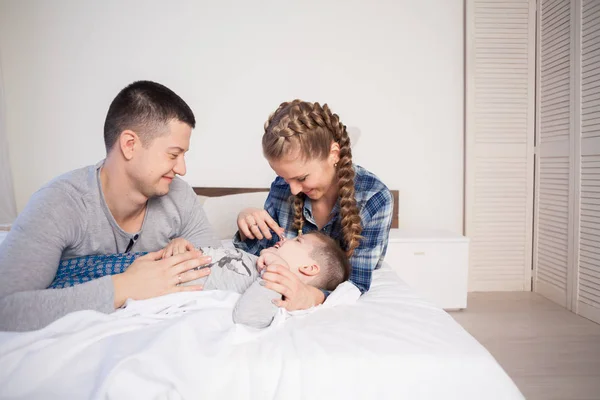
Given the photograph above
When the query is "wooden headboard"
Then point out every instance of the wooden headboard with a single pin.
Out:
(218, 191)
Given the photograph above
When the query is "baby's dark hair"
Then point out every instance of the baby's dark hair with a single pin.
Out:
(334, 263)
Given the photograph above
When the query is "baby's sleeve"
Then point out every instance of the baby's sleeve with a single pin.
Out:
(255, 308)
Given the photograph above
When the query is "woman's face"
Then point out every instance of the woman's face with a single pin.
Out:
(314, 177)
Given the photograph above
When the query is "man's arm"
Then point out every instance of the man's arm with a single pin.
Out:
(29, 258)
(34, 309)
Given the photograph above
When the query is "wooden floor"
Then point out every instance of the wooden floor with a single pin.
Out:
(548, 351)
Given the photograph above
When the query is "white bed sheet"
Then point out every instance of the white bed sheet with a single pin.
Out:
(389, 344)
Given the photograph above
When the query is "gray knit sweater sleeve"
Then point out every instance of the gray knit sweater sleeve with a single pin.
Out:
(29, 258)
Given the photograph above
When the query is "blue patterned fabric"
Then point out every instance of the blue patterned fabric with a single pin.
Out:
(375, 204)
(83, 269)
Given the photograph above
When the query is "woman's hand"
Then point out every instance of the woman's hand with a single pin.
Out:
(296, 294)
(177, 246)
(254, 223)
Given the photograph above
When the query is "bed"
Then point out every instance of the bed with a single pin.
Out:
(387, 344)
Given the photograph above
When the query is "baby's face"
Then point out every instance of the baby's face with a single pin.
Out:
(296, 252)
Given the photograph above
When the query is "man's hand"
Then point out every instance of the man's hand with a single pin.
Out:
(150, 276)
(177, 246)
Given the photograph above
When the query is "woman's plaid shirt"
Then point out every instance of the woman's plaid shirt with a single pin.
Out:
(375, 204)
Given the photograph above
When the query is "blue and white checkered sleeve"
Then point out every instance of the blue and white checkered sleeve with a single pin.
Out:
(376, 218)
(79, 270)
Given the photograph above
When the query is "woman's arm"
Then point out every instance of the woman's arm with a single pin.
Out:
(376, 218)
(269, 219)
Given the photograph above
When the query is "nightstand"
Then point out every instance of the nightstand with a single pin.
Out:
(434, 263)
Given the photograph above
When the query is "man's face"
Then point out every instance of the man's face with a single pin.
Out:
(156, 165)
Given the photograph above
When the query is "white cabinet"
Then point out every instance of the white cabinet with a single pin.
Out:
(434, 263)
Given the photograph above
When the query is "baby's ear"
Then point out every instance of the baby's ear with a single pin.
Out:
(310, 270)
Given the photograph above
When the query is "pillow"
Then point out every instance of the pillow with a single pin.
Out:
(222, 211)
(202, 198)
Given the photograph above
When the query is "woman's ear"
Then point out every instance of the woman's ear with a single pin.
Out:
(309, 270)
(128, 140)
(334, 152)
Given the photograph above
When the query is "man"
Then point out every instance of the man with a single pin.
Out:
(131, 201)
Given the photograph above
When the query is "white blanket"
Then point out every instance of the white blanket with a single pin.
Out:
(387, 344)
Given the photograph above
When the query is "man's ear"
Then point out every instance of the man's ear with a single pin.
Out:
(128, 142)
(310, 270)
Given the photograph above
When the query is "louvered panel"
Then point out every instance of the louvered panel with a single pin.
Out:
(590, 71)
(499, 237)
(550, 239)
(501, 54)
(555, 71)
(589, 245)
(592, 276)
(588, 278)
(499, 180)
(589, 203)
(553, 252)
(554, 272)
(552, 247)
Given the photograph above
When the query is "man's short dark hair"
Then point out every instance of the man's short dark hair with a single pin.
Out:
(144, 107)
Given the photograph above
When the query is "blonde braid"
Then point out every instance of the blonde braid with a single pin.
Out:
(298, 205)
(351, 223)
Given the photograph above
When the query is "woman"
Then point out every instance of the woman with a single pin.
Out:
(317, 188)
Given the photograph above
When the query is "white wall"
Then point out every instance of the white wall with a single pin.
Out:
(392, 69)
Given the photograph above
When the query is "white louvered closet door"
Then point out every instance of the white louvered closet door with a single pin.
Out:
(588, 291)
(567, 223)
(500, 94)
(553, 222)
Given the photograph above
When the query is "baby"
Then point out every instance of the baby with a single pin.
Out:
(315, 258)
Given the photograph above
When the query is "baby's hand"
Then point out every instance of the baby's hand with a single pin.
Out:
(177, 246)
(269, 258)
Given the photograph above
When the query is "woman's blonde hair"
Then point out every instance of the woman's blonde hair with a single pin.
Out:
(311, 129)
